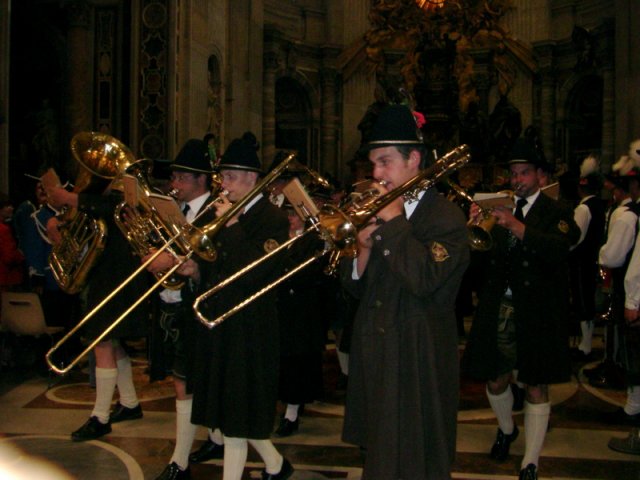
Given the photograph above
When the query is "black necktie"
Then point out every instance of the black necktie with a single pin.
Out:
(185, 210)
(520, 203)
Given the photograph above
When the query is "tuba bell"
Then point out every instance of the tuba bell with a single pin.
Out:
(102, 158)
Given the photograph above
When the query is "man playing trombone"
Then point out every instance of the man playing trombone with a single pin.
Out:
(402, 396)
(173, 332)
(235, 374)
(113, 366)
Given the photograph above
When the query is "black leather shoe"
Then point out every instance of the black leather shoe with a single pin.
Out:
(208, 451)
(518, 397)
(91, 430)
(287, 427)
(121, 413)
(500, 449)
(285, 472)
(530, 472)
(612, 379)
(173, 472)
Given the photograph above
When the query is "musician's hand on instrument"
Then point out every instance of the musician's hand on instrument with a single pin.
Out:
(222, 204)
(191, 269)
(508, 221)
(162, 262)
(393, 210)
(58, 197)
(475, 214)
(364, 235)
(53, 233)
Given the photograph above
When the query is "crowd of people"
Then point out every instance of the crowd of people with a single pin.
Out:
(394, 308)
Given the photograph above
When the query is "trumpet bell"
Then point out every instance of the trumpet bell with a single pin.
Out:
(480, 239)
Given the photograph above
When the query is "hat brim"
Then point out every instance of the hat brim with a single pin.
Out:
(182, 168)
(231, 166)
(367, 147)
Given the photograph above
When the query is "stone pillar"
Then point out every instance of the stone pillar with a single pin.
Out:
(269, 108)
(5, 17)
(544, 113)
(79, 92)
(483, 76)
(608, 154)
(328, 161)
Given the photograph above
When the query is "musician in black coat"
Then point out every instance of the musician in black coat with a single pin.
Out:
(174, 328)
(522, 317)
(302, 311)
(113, 267)
(402, 396)
(235, 375)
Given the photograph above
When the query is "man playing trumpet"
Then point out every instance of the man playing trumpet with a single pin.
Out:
(521, 321)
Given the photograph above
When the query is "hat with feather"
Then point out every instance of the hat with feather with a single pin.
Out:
(590, 177)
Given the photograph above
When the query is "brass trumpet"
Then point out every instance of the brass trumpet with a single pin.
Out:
(479, 233)
(197, 240)
(339, 230)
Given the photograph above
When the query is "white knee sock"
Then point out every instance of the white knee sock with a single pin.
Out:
(536, 420)
(343, 360)
(235, 458)
(270, 456)
(126, 388)
(587, 337)
(105, 386)
(502, 406)
(185, 433)
(291, 413)
(216, 436)
(632, 406)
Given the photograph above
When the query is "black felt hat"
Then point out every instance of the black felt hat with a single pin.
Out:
(193, 157)
(524, 152)
(395, 127)
(241, 154)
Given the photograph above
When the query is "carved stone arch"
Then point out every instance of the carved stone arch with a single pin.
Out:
(296, 117)
(581, 98)
(215, 94)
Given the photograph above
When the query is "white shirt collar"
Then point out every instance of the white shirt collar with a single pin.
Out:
(195, 205)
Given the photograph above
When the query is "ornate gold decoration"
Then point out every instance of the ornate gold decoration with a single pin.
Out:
(412, 25)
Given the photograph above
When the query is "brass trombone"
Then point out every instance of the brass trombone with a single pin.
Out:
(199, 240)
(339, 230)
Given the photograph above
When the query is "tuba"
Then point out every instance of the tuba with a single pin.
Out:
(101, 157)
(146, 230)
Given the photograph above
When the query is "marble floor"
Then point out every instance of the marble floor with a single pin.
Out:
(37, 413)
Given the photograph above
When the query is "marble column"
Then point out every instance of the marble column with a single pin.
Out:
(5, 17)
(546, 121)
(483, 76)
(328, 161)
(269, 107)
(607, 155)
(79, 92)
